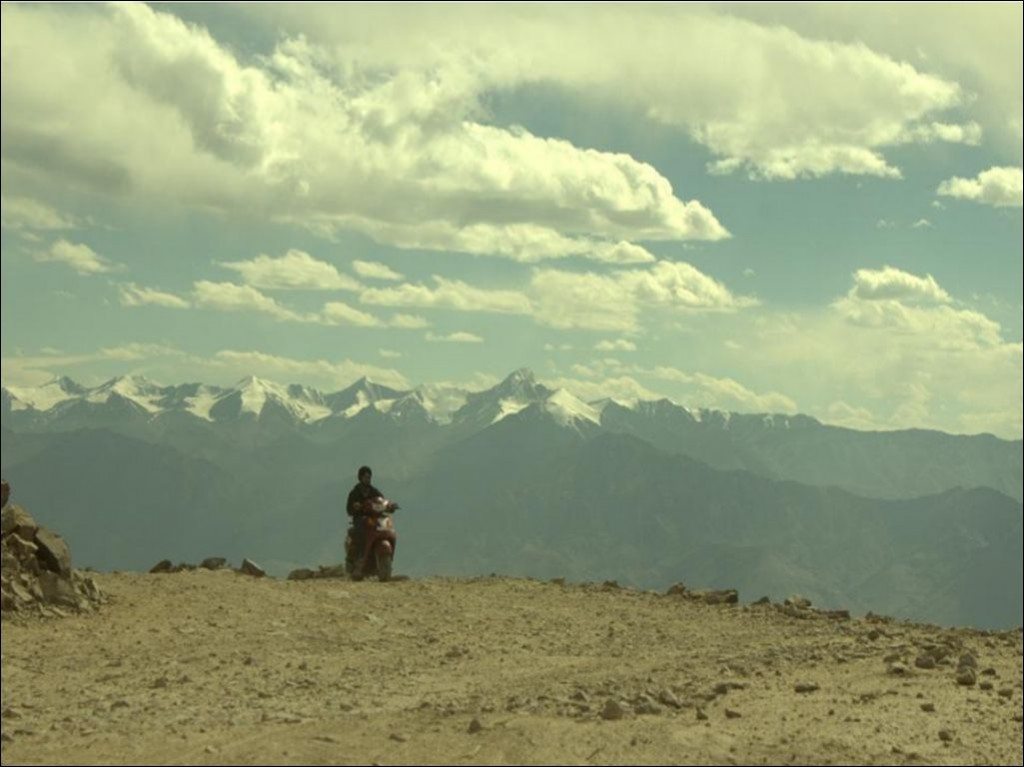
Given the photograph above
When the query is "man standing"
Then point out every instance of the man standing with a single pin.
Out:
(356, 508)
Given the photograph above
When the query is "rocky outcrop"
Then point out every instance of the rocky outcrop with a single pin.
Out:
(36, 569)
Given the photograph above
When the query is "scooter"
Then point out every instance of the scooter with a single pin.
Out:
(378, 554)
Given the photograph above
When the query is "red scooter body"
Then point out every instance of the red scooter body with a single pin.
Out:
(378, 554)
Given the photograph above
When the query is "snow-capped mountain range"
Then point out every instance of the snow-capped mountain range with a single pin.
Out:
(257, 398)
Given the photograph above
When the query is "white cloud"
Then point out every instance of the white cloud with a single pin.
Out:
(22, 214)
(294, 270)
(697, 389)
(140, 103)
(408, 322)
(613, 302)
(884, 223)
(892, 283)
(389, 354)
(459, 337)
(229, 297)
(922, 223)
(339, 313)
(615, 345)
(1000, 187)
(35, 370)
(449, 294)
(786, 105)
(375, 270)
(316, 372)
(135, 295)
(79, 257)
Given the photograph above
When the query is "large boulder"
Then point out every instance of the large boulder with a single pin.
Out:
(36, 569)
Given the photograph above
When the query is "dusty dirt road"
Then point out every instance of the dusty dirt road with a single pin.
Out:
(211, 667)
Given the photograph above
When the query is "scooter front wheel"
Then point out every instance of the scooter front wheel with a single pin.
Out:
(384, 559)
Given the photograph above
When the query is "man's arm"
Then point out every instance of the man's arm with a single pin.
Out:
(354, 502)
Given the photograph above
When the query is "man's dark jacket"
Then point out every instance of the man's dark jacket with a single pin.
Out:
(359, 494)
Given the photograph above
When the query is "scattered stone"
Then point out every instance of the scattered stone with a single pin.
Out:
(580, 695)
(646, 705)
(984, 685)
(716, 596)
(1006, 692)
(701, 716)
(928, 708)
(610, 585)
(213, 563)
(160, 682)
(301, 574)
(163, 566)
(805, 687)
(612, 709)
(967, 660)
(898, 669)
(989, 672)
(801, 603)
(676, 589)
(946, 735)
(924, 661)
(763, 601)
(669, 698)
(732, 714)
(874, 634)
(15, 520)
(400, 738)
(251, 568)
(474, 726)
(966, 676)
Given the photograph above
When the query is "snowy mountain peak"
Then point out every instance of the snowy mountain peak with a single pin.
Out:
(568, 409)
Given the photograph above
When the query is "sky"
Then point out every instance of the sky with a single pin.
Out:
(751, 207)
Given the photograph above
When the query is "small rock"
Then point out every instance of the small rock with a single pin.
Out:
(928, 707)
(1017, 716)
(731, 714)
(874, 634)
(160, 682)
(989, 672)
(612, 710)
(898, 669)
(163, 566)
(805, 687)
(763, 601)
(984, 685)
(668, 698)
(213, 563)
(965, 676)
(799, 602)
(251, 568)
(967, 660)
(474, 726)
(302, 574)
(1006, 692)
(946, 735)
(701, 716)
(924, 661)
(400, 738)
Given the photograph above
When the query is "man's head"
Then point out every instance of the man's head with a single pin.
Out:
(365, 474)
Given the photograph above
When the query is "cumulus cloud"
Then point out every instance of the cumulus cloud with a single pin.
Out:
(459, 337)
(615, 345)
(1000, 187)
(315, 371)
(696, 388)
(229, 297)
(922, 223)
(339, 313)
(449, 294)
(375, 271)
(613, 302)
(892, 283)
(294, 270)
(408, 322)
(389, 151)
(135, 295)
(20, 214)
(788, 105)
(78, 256)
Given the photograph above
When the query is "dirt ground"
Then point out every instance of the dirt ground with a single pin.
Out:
(212, 667)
